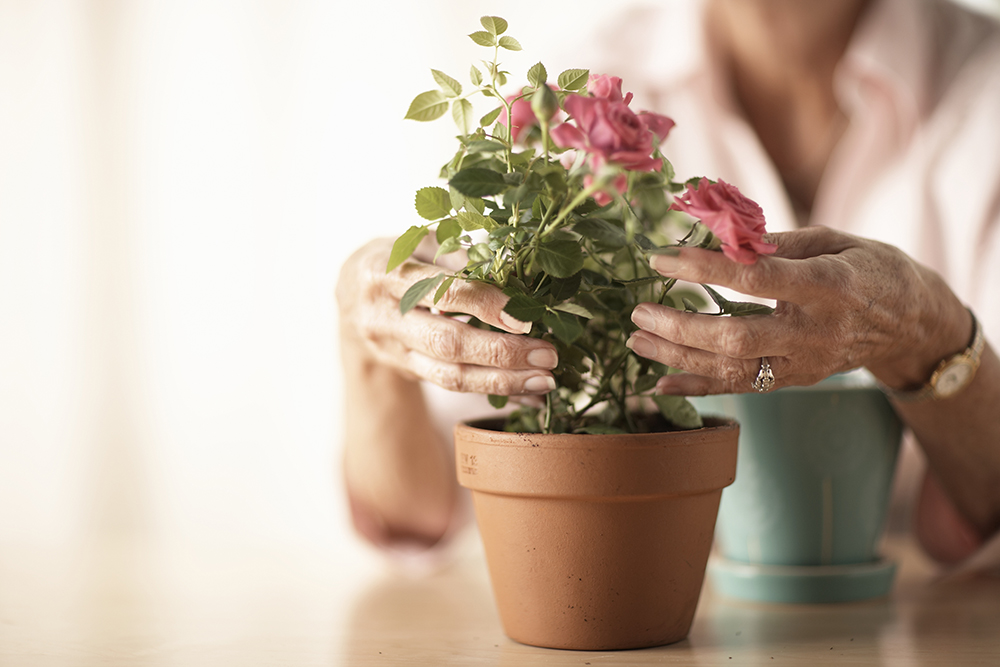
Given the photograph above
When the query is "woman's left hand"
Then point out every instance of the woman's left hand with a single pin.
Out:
(843, 302)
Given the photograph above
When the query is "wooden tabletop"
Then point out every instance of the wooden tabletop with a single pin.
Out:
(128, 603)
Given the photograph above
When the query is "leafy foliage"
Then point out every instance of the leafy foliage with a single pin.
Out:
(573, 269)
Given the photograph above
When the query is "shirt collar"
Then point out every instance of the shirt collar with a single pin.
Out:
(889, 56)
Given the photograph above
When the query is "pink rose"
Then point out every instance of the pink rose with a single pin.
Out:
(607, 87)
(737, 220)
(613, 131)
(605, 127)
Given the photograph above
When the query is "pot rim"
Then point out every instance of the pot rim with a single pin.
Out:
(595, 466)
(714, 424)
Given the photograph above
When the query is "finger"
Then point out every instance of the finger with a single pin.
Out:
(687, 384)
(730, 371)
(769, 277)
(477, 379)
(747, 337)
(483, 301)
(810, 242)
(450, 340)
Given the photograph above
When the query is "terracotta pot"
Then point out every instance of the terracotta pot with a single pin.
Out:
(597, 542)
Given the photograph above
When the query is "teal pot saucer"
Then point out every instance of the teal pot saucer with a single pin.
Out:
(801, 584)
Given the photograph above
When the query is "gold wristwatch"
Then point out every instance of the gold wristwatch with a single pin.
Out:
(951, 376)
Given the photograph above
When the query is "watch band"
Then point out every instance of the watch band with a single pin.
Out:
(950, 376)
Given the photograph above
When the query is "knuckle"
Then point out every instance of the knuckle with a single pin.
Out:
(739, 343)
(756, 278)
(500, 384)
(445, 343)
(502, 353)
(448, 377)
(734, 373)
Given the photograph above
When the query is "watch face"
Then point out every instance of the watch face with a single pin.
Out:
(953, 378)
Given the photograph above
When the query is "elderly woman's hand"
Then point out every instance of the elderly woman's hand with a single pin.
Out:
(434, 347)
(843, 302)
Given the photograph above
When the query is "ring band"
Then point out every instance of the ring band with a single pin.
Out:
(765, 378)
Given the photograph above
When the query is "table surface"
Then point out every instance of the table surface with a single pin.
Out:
(125, 603)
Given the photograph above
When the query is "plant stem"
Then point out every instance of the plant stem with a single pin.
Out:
(547, 426)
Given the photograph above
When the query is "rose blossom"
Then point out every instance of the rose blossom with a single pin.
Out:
(608, 87)
(607, 129)
(735, 219)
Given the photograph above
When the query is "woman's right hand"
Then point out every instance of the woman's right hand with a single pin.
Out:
(434, 347)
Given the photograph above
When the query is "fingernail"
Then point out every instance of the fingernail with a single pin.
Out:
(644, 319)
(663, 385)
(514, 324)
(540, 384)
(641, 346)
(665, 263)
(543, 358)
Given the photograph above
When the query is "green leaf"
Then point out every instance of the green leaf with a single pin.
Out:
(510, 44)
(737, 308)
(405, 245)
(443, 288)
(475, 75)
(480, 253)
(644, 243)
(447, 229)
(457, 199)
(574, 309)
(449, 246)
(490, 117)
(449, 86)
(561, 289)
(418, 291)
(461, 112)
(432, 203)
(500, 132)
(483, 38)
(471, 221)
(478, 182)
(501, 233)
(564, 326)
(497, 402)
(427, 106)
(601, 231)
(475, 204)
(740, 309)
(485, 146)
(524, 308)
(537, 75)
(560, 258)
(494, 24)
(644, 383)
(638, 282)
(573, 79)
(679, 411)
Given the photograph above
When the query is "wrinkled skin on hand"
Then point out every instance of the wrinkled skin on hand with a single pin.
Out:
(427, 345)
(843, 302)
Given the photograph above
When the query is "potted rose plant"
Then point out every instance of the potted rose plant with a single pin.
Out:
(597, 509)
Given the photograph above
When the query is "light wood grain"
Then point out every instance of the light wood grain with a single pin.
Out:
(133, 604)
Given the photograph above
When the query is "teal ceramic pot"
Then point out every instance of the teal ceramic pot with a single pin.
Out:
(813, 479)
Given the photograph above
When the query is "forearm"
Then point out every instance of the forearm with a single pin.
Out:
(961, 438)
(398, 470)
